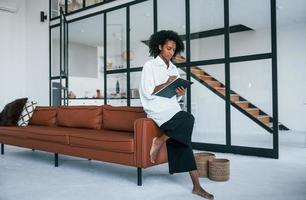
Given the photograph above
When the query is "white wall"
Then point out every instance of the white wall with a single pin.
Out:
(24, 57)
(12, 54)
(291, 76)
(37, 52)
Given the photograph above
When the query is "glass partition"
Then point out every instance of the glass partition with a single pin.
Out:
(251, 112)
(55, 51)
(208, 104)
(55, 7)
(73, 5)
(58, 92)
(55, 93)
(116, 86)
(141, 18)
(92, 2)
(256, 17)
(206, 29)
(171, 16)
(116, 39)
(86, 58)
(134, 91)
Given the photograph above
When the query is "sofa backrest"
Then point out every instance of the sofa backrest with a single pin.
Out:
(44, 116)
(119, 118)
(80, 116)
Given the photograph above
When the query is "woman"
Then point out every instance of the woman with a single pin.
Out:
(166, 112)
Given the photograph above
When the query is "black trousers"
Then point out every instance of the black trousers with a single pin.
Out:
(179, 130)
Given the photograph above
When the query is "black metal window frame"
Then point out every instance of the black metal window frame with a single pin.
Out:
(227, 60)
(63, 60)
(84, 7)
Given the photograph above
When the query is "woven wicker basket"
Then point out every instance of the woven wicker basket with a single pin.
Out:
(219, 169)
(202, 159)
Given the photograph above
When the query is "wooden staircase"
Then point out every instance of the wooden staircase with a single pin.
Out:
(237, 101)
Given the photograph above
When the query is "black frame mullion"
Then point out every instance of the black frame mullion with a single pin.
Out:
(61, 52)
(227, 73)
(105, 59)
(66, 6)
(155, 16)
(128, 85)
(187, 14)
(66, 60)
(274, 78)
(50, 64)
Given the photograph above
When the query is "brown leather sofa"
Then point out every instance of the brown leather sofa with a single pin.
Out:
(121, 135)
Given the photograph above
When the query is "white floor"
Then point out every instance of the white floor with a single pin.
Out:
(27, 175)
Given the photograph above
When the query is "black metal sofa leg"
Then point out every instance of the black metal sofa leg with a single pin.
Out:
(56, 159)
(2, 149)
(139, 176)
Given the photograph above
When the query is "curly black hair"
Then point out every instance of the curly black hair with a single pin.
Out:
(160, 38)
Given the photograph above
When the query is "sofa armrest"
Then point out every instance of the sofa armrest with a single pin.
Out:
(145, 130)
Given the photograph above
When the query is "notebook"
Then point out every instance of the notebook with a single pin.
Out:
(169, 90)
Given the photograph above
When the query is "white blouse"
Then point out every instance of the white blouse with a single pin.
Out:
(154, 73)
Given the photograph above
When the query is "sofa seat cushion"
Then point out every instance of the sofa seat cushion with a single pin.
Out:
(116, 141)
(12, 131)
(43, 133)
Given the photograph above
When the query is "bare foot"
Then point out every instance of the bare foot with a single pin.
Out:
(201, 192)
(156, 145)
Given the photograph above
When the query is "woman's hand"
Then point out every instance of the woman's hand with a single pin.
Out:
(159, 87)
(170, 79)
(180, 91)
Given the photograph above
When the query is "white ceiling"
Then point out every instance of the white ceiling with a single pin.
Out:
(204, 15)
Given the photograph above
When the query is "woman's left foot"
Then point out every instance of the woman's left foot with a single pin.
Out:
(201, 192)
(156, 145)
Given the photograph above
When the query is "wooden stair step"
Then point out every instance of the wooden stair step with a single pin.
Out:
(270, 125)
(196, 71)
(179, 59)
(234, 97)
(204, 77)
(242, 104)
(253, 111)
(264, 119)
(220, 90)
(213, 83)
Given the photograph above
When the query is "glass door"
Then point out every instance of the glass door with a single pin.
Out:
(59, 63)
